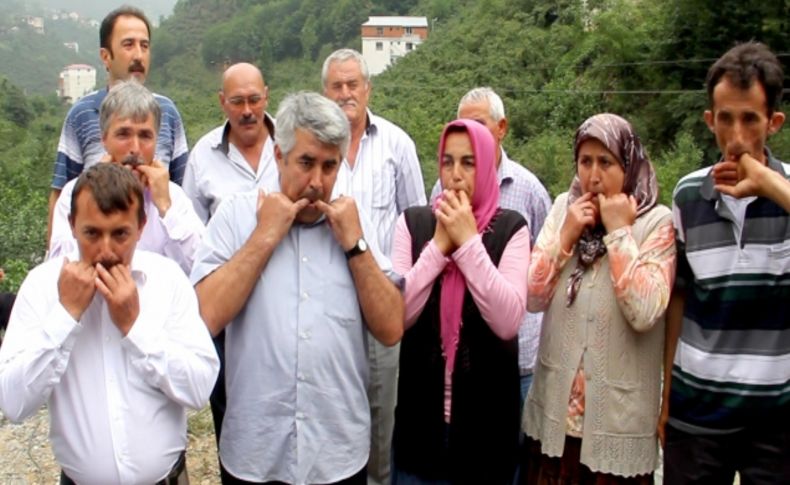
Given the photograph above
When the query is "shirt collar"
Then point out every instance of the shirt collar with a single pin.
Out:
(223, 143)
(505, 172)
(709, 192)
(370, 124)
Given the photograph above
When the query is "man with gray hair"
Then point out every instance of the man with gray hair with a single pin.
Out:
(129, 120)
(382, 173)
(295, 279)
(519, 190)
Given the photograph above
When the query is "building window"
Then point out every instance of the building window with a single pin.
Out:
(379, 46)
(409, 46)
(379, 30)
(408, 30)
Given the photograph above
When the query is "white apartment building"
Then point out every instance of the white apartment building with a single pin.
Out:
(386, 39)
(76, 80)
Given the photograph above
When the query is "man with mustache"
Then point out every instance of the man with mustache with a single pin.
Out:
(124, 38)
(727, 361)
(295, 280)
(237, 156)
(382, 173)
(111, 339)
(129, 121)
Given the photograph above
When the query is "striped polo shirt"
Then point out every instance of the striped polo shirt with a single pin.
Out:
(732, 364)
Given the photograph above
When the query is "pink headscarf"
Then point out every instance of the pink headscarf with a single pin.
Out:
(485, 202)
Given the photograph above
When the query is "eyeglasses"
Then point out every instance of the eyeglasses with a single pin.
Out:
(238, 101)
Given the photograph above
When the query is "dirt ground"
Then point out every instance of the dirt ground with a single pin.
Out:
(26, 457)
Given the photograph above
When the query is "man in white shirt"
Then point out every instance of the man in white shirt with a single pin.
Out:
(237, 156)
(129, 121)
(110, 338)
(382, 173)
(289, 275)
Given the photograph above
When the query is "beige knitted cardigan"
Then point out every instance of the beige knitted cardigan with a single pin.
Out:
(622, 371)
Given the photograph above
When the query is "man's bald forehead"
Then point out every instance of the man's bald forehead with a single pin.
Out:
(241, 71)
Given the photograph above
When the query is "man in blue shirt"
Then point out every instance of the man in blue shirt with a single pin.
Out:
(125, 51)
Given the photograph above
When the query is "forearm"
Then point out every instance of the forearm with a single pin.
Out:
(777, 188)
(178, 359)
(500, 293)
(673, 329)
(33, 359)
(223, 293)
(381, 302)
(184, 231)
(642, 276)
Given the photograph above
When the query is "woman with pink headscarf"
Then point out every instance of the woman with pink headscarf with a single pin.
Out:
(465, 263)
(602, 270)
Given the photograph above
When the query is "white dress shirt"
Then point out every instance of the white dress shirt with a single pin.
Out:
(216, 169)
(386, 178)
(176, 235)
(296, 370)
(116, 403)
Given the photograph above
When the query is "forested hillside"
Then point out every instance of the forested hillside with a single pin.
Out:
(554, 62)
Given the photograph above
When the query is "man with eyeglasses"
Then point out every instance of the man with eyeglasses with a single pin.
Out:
(237, 156)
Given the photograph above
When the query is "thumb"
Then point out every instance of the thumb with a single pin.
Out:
(726, 189)
(601, 199)
(300, 204)
(632, 199)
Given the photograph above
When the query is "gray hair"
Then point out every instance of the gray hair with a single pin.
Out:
(314, 113)
(129, 99)
(343, 55)
(476, 95)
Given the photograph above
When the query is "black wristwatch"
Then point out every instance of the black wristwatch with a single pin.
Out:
(360, 247)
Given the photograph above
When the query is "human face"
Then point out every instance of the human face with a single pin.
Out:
(346, 86)
(128, 138)
(457, 170)
(129, 54)
(244, 99)
(739, 119)
(308, 172)
(480, 111)
(599, 170)
(108, 239)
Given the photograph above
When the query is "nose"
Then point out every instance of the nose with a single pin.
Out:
(315, 178)
(137, 52)
(457, 169)
(134, 146)
(345, 92)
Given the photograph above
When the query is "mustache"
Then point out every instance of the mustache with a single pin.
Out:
(137, 66)
(347, 102)
(312, 195)
(248, 120)
(109, 263)
(132, 161)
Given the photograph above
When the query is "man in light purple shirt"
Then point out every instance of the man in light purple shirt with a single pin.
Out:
(519, 190)
(129, 120)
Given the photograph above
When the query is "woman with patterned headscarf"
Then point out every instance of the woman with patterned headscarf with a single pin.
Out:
(602, 270)
(465, 263)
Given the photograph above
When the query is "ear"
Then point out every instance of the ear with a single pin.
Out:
(502, 126)
(221, 97)
(776, 122)
(708, 115)
(278, 155)
(106, 57)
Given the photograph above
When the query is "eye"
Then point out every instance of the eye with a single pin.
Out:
(468, 162)
(120, 235)
(447, 161)
(145, 45)
(750, 118)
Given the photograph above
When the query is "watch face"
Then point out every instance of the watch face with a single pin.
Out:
(363, 245)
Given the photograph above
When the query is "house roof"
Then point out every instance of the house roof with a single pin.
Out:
(396, 21)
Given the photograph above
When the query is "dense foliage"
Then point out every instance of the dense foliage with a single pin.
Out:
(554, 63)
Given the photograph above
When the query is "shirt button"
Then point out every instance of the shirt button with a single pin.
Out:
(305, 296)
(304, 259)
(300, 376)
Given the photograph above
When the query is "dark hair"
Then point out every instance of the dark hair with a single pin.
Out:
(745, 63)
(114, 189)
(108, 24)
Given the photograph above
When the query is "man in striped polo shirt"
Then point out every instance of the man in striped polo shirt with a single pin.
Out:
(728, 406)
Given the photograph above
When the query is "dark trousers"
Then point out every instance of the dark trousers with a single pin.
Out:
(760, 454)
(359, 478)
(218, 398)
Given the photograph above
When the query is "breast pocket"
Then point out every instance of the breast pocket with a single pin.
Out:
(341, 304)
(383, 186)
